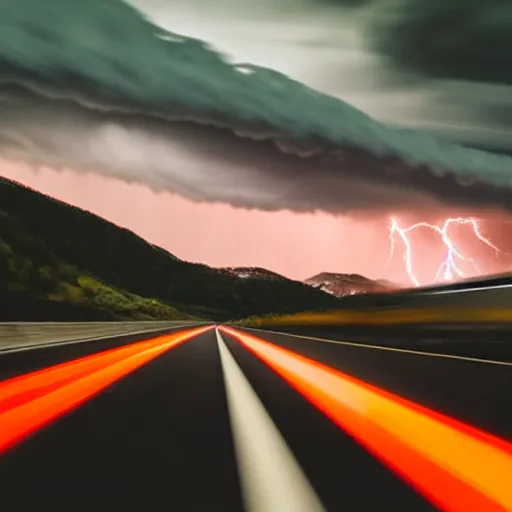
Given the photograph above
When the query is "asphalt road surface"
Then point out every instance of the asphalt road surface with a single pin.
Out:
(491, 341)
(225, 421)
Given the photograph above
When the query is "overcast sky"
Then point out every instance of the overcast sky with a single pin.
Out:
(80, 149)
(327, 46)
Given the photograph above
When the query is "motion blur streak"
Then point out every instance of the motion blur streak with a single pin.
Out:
(24, 388)
(457, 467)
(18, 422)
(271, 477)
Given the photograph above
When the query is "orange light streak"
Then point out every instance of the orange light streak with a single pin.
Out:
(64, 391)
(21, 389)
(455, 466)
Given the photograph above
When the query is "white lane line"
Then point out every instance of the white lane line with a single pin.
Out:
(272, 480)
(380, 347)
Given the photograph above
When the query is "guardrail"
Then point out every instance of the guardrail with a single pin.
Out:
(501, 281)
(14, 334)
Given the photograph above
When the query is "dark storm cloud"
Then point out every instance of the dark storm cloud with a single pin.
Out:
(93, 86)
(464, 39)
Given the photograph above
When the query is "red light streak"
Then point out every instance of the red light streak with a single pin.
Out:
(450, 267)
(454, 465)
(21, 389)
(36, 399)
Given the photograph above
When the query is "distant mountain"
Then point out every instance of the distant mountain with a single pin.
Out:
(341, 285)
(254, 273)
(58, 262)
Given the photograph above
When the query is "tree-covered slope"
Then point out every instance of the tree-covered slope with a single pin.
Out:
(52, 251)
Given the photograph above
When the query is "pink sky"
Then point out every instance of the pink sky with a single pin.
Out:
(295, 245)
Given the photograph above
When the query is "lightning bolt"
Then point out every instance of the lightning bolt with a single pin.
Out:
(450, 267)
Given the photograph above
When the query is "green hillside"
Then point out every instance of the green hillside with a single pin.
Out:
(61, 262)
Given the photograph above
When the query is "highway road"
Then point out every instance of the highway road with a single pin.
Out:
(212, 418)
(490, 342)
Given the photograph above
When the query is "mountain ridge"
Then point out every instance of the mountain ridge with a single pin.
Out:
(52, 252)
(342, 285)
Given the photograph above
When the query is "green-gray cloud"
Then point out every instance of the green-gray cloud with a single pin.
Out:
(465, 39)
(92, 84)
(348, 3)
